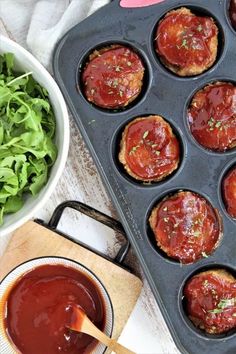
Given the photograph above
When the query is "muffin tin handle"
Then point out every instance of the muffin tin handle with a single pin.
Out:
(137, 3)
(96, 215)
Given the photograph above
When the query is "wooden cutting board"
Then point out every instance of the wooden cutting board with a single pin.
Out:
(33, 240)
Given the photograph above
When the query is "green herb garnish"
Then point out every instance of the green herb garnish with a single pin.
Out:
(183, 44)
(134, 148)
(204, 255)
(211, 122)
(145, 134)
(115, 83)
(27, 129)
(218, 124)
(214, 124)
(216, 311)
(223, 304)
(196, 233)
(199, 28)
(226, 303)
(118, 68)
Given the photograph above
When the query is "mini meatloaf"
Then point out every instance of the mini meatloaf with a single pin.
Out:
(187, 44)
(185, 226)
(212, 116)
(211, 301)
(113, 77)
(149, 150)
(229, 192)
(232, 13)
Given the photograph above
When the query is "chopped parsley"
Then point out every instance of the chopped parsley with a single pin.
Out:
(216, 311)
(134, 148)
(204, 255)
(115, 83)
(184, 44)
(118, 68)
(214, 124)
(199, 28)
(196, 233)
(211, 122)
(145, 134)
(226, 303)
(223, 304)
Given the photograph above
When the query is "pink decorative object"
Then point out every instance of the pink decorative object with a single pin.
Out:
(138, 3)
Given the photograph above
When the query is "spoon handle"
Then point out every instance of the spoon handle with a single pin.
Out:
(118, 348)
(89, 328)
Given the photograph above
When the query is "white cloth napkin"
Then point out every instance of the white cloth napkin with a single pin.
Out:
(38, 24)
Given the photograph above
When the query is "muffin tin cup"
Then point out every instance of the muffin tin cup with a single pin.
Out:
(201, 11)
(200, 170)
(146, 79)
(115, 149)
(181, 303)
(226, 12)
(185, 118)
(151, 236)
(223, 174)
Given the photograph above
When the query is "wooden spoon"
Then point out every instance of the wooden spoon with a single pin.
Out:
(81, 323)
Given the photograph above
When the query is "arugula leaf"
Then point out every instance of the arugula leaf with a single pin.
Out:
(27, 129)
(13, 204)
(1, 213)
(9, 60)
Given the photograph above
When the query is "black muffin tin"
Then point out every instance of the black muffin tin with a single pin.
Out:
(200, 170)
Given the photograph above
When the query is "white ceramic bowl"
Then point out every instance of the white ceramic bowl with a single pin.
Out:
(26, 62)
(7, 283)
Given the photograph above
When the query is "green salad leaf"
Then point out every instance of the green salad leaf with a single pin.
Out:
(27, 129)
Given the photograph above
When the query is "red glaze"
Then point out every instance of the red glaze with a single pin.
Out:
(232, 13)
(186, 227)
(151, 149)
(113, 77)
(183, 39)
(229, 192)
(39, 307)
(212, 116)
(211, 301)
(77, 318)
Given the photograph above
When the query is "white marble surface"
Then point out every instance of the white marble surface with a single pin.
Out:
(145, 331)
